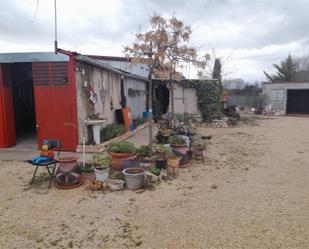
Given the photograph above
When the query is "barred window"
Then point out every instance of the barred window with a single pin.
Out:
(50, 73)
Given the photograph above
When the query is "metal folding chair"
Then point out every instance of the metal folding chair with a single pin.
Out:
(50, 165)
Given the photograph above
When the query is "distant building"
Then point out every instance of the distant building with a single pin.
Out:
(287, 97)
(233, 84)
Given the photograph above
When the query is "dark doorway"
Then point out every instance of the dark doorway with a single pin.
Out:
(163, 97)
(297, 101)
(24, 108)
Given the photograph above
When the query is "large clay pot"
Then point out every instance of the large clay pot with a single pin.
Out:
(118, 158)
(88, 176)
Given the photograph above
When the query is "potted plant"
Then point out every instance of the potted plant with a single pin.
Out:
(134, 177)
(179, 143)
(173, 166)
(102, 167)
(143, 153)
(87, 171)
(162, 153)
(199, 145)
(120, 151)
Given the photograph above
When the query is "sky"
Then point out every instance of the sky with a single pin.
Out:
(248, 35)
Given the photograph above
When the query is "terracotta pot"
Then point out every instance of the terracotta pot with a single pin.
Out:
(88, 176)
(118, 158)
(67, 163)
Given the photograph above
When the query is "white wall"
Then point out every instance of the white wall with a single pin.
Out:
(137, 103)
(185, 100)
(100, 80)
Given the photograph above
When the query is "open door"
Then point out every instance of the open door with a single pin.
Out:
(55, 102)
(7, 123)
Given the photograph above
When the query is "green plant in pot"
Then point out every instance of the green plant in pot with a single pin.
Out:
(199, 145)
(179, 143)
(102, 166)
(143, 154)
(162, 153)
(120, 151)
(87, 171)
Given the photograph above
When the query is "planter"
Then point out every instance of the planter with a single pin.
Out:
(134, 178)
(173, 162)
(87, 172)
(68, 178)
(115, 185)
(166, 132)
(183, 149)
(90, 176)
(101, 174)
(68, 173)
(161, 163)
(198, 152)
(118, 158)
(131, 163)
(67, 163)
(173, 167)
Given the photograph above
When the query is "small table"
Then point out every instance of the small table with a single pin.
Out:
(96, 127)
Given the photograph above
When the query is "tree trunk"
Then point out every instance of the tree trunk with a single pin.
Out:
(150, 112)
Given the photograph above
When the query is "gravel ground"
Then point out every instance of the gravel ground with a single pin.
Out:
(251, 192)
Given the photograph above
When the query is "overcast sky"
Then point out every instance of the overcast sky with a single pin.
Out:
(256, 33)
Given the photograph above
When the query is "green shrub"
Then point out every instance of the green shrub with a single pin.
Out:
(101, 161)
(110, 131)
(176, 140)
(121, 147)
(144, 150)
(208, 98)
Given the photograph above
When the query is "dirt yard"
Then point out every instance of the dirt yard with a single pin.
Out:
(252, 192)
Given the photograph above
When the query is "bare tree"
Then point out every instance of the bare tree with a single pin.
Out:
(164, 45)
(302, 63)
(212, 56)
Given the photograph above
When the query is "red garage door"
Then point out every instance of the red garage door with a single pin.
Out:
(55, 102)
(7, 123)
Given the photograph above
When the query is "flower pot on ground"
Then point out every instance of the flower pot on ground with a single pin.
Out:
(87, 172)
(161, 163)
(120, 151)
(173, 161)
(173, 166)
(131, 163)
(101, 174)
(143, 154)
(68, 174)
(102, 166)
(134, 178)
(179, 144)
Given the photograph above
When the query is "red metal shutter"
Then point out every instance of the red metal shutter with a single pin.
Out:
(55, 102)
(7, 122)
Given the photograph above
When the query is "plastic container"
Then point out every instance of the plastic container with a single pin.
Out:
(101, 174)
(146, 114)
(134, 177)
(161, 163)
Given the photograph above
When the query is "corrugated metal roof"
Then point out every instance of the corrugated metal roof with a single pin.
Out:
(104, 65)
(32, 57)
(139, 69)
